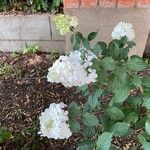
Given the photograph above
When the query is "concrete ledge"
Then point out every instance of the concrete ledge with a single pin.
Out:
(107, 18)
(18, 31)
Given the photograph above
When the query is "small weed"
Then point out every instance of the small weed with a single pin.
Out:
(54, 55)
(5, 135)
(5, 69)
(32, 49)
(15, 55)
(18, 72)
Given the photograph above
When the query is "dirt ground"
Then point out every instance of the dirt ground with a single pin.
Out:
(24, 94)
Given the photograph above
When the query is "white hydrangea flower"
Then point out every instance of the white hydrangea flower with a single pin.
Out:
(72, 70)
(123, 29)
(53, 122)
(64, 22)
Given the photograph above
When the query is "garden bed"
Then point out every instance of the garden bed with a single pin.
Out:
(25, 93)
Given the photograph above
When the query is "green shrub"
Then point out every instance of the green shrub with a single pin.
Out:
(31, 6)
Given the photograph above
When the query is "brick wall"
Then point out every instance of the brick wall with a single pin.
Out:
(106, 3)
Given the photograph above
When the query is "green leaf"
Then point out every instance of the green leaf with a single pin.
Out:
(83, 89)
(97, 49)
(120, 73)
(146, 145)
(136, 64)
(146, 92)
(76, 46)
(131, 44)
(146, 81)
(132, 117)
(104, 141)
(93, 99)
(121, 95)
(92, 36)
(74, 126)
(120, 128)
(89, 132)
(115, 113)
(136, 80)
(86, 145)
(146, 103)
(103, 45)
(74, 109)
(86, 43)
(141, 122)
(114, 49)
(147, 126)
(77, 38)
(5, 135)
(108, 63)
(141, 138)
(90, 120)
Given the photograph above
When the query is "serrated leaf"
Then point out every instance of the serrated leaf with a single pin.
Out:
(136, 64)
(77, 38)
(120, 128)
(141, 138)
(93, 99)
(108, 63)
(86, 43)
(132, 117)
(86, 145)
(97, 49)
(115, 113)
(146, 103)
(147, 126)
(92, 36)
(73, 109)
(136, 80)
(121, 95)
(90, 120)
(89, 131)
(146, 92)
(103, 45)
(74, 126)
(104, 141)
(114, 49)
(146, 145)
(146, 81)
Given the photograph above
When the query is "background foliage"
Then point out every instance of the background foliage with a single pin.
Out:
(31, 6)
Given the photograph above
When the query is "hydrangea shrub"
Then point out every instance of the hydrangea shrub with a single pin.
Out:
(117, 95)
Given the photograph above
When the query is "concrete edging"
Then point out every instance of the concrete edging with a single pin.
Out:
(17, 32)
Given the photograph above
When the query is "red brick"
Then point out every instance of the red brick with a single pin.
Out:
(126, 3)
(89, 3)
(71, 3)
(143, 3)
(107, 3)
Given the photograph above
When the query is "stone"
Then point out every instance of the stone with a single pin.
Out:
(9, 27)
(35, 27)
(12, 46)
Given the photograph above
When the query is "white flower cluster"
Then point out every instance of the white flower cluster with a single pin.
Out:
(123, 29)
(53, 122)
(74, 69)
(64, 22)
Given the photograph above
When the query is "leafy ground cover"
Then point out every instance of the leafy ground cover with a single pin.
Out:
(25, 93)
(30, 6)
